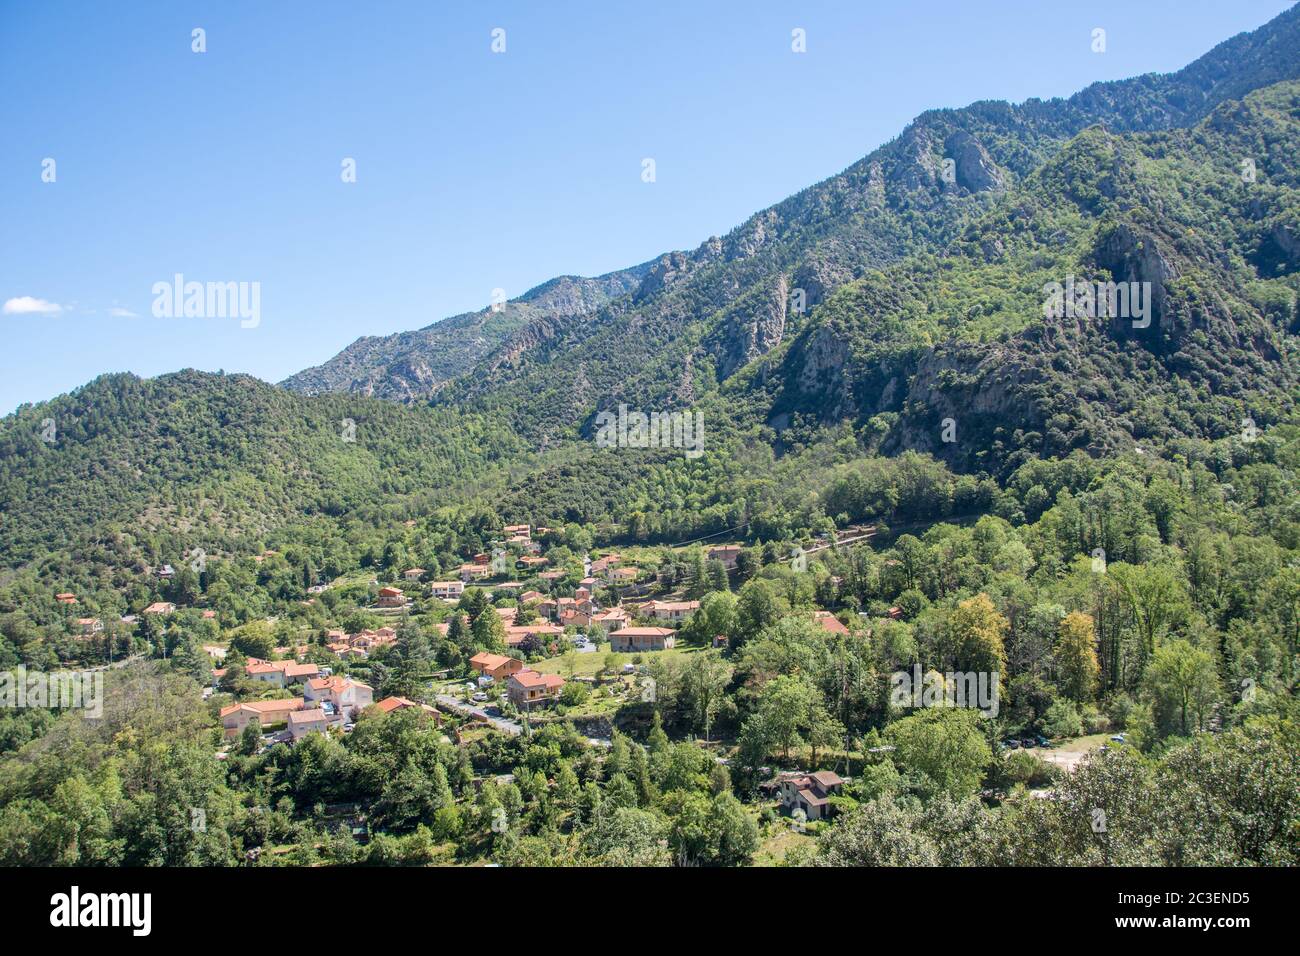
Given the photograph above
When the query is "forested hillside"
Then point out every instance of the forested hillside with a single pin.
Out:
(210, 460)
(698, 317)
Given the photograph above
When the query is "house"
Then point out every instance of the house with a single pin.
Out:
(447, 590)
(513, 530)
(531, 562)
(391, 597)
(363, 642)
(530, 597)
(90, 626)
(809, 792)
(280, 673)
(166, 572)
(267, 672)
(160, 607)
(583, 593)
(621, 575)
(345, 695)
(66, 597)
(390, 704)
(895, 613)
(575, 617)
(267, 712)
(496, 666)
(611, 620)
(631, 640)
(296, 673)
(720, 640)
(727, 554)
(516, 635)
(304, 722)
(414, 574)
(528, 688)
(670, 610)
(209, 615)
(830, 622)
(475, 572)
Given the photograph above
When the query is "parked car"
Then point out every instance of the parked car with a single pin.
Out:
(1044, 742)
(1118, 738)
(479, 697)
(1013, 744)
(1027, 742)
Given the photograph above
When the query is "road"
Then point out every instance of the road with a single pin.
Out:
(117, 665)
(500, 723)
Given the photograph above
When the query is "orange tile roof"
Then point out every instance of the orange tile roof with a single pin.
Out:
(265, 706)
(490, 661)
(530, 678)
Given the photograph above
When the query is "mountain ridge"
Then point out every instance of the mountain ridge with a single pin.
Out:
(993, 143)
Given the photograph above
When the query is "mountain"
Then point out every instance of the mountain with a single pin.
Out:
(410, 366)
(695, 319)
(1221, 257)
(217, 461)
(922, 297)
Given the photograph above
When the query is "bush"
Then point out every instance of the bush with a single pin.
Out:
(1062, 720)
(573, 694)
(1094, 721)
(1022, 767)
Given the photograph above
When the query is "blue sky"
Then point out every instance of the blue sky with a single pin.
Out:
(475, 170)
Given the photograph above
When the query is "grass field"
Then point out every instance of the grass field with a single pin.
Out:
(586, 665)
(778, 840)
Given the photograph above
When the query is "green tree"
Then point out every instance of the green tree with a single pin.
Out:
(1184, 686)
(945, 746)
(1076, 657)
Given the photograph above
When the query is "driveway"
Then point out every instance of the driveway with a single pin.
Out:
(467, 710)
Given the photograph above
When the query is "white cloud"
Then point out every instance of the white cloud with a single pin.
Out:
(27, 305)
(118, 312)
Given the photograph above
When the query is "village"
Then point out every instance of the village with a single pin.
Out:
(556, 646)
